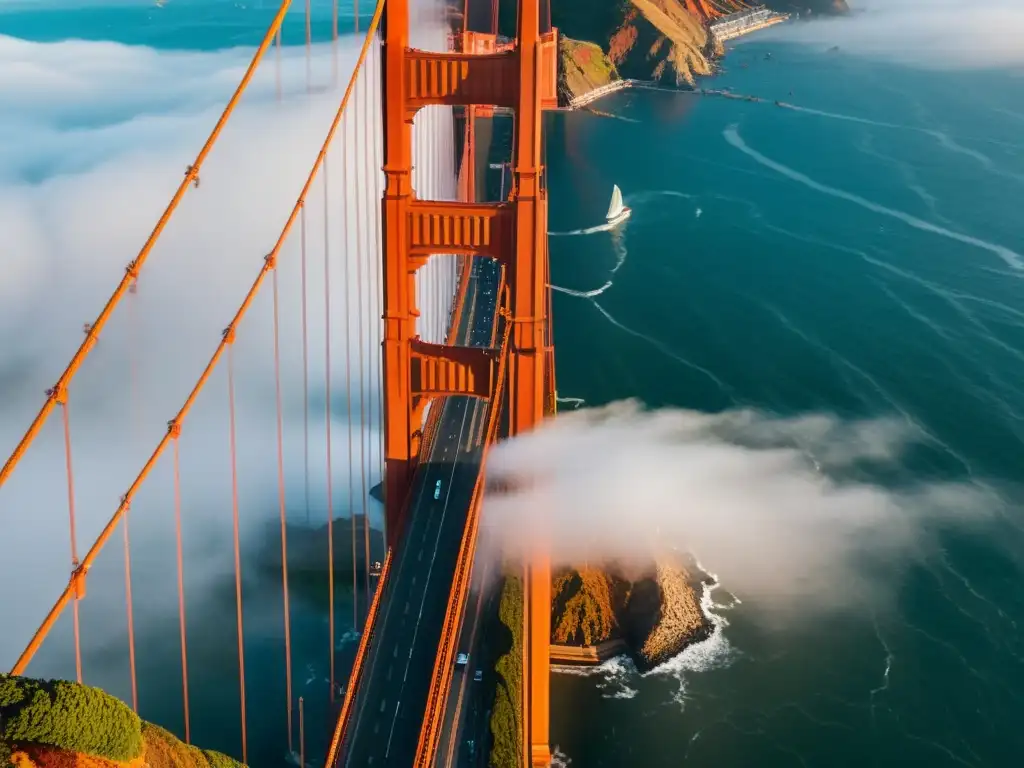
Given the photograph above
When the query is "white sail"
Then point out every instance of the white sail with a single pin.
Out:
(615, 207)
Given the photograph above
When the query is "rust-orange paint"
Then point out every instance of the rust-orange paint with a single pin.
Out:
(76, 584)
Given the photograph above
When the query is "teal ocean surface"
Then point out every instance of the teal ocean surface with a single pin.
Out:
(861, 255)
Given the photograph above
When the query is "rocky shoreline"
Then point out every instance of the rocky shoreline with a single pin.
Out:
(652, 613)
(662, 42)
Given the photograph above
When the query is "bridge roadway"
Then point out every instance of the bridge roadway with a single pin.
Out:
(389, 706)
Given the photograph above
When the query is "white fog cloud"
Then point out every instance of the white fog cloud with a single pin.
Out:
(94, 138)
(941, 34)
(779, 508)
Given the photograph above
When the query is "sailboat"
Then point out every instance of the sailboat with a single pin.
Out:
(617, 212)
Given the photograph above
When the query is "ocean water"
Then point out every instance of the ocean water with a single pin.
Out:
(862, 256)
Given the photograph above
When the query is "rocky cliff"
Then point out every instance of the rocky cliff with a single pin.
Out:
(655, 610)
(662, 40)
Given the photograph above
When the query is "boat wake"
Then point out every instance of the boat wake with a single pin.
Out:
(586, 231)
(583, 294)
(621, 254)
(1012, 259)
(575, 402)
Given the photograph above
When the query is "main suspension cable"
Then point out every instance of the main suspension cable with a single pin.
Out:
(71, 591)
(135, 266)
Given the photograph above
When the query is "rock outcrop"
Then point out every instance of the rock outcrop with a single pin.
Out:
(656, 610)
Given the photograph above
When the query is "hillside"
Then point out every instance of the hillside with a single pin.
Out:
(662, 40)
(58, 724)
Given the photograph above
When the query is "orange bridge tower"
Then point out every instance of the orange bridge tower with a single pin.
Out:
(523, 79)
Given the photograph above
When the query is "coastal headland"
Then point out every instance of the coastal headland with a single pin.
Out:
(606, 45)
(650, 612)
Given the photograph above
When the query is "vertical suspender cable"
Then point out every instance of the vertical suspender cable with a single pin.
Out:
(134, 404)
(282, 511)
(346, 285)
(327, 399)
(181, 579)
(305, 361)
(426, 192)
(367, 252)
(73, 531)
(128, 607)
(302, 734)
(359, 331)
(238, 554)
(378, 255)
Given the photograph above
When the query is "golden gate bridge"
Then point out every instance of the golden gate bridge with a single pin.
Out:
(453, 289)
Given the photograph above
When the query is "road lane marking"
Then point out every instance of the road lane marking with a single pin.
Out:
(423, 600)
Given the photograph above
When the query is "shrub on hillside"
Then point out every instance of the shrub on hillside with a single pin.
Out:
(165, 750)
(505, 719)
(77, 718)
(218, 760)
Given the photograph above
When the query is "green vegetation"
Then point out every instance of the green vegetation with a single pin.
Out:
(58, 723)
(165, 750)
(506, 726)
(77, 718)
(582, 67)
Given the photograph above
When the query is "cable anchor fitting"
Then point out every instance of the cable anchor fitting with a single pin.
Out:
(192, 173)
(77, 581)
(174, 429)
(229, 334)
(271, 259)
(58, 393)
(90, 334)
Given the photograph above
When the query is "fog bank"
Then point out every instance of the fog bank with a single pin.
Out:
(781, 509)
(939, 34)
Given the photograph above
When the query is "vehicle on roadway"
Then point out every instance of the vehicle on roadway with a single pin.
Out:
(437, 491)
(462, 660)
(478, 676)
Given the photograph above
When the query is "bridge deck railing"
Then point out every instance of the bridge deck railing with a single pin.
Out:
(441, 678)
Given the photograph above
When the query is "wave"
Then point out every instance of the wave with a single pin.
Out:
(713, 652)
(1012, 259)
